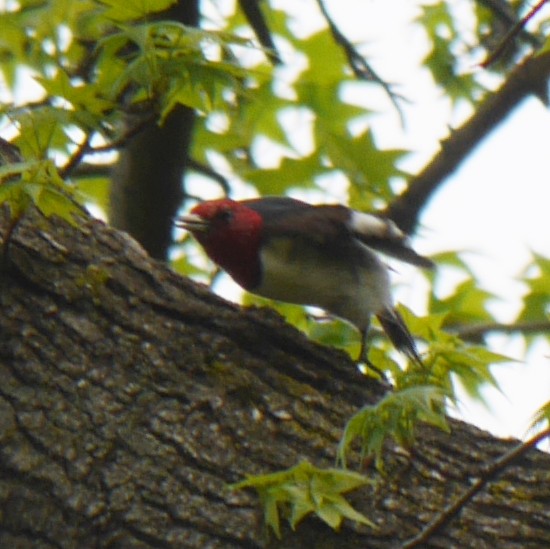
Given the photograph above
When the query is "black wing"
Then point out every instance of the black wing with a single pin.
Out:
(329, 224)
(288, 216)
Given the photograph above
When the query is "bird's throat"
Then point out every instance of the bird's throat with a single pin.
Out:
(236, 251)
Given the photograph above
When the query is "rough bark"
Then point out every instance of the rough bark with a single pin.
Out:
(131, 397)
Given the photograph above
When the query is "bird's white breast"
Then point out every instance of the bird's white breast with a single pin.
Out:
(302, 274)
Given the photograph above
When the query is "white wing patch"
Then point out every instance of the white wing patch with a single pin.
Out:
(371, 225)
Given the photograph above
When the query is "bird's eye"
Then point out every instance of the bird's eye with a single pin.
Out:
(225, 216)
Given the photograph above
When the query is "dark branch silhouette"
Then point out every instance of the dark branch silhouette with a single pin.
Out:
(528, 79)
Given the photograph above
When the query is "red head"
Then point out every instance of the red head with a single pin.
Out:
(230, 233)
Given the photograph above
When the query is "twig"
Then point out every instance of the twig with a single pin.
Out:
(254, 15)
(207, 171)
(488, 473)
(91, 171)
(75, 159)
(85, 149)
(511, 34)
(357, 62)
(505, 12)
(478, 330)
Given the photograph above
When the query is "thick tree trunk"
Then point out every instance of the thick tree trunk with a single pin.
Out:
(147, 181)
(131, 397)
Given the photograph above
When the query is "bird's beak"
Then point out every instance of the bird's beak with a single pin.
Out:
(192, 222)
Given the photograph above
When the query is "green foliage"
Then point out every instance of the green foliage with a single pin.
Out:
(133, 9)
(442, 61)
(316, 96)
(369, 169)
(466, 304)
(96, 62)
(42, 131)
(458, 43)
(115, 61)
(394, 417)
(545, 48)
(164, 62)
(448, 360)
(327, 66)
(93, 191)
(536, 304)
(421, 393)
(305, 489)
(291, 172)
(461, 40)
(36, 183)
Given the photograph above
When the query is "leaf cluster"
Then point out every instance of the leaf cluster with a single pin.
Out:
(536, 303)
(304, 489)
(37, 183)
(394, 417)
(461, 42)
(95, 66)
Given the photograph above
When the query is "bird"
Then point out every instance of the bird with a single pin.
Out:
(323, 255)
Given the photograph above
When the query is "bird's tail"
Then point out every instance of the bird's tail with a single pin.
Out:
(395, 328)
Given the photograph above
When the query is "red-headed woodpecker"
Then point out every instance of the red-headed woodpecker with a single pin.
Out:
(288, 250)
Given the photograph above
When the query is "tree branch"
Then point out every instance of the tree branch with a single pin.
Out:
(516, 29)
(207, 171)
(506, 14)
(477, 331)
(131, 397)
(487, 474)
(146, 189)
(529, 78)
(86, 149)
(361, 69)
(256, 19)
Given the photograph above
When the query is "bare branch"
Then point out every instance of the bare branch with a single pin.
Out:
(76, 158)
(210, 173)
(506, 14)
(529, 78)
(256, 19)
(358, 64)
(85, 149)
(477, 331)
(487, 474)
(516, 29)
(90, 171)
